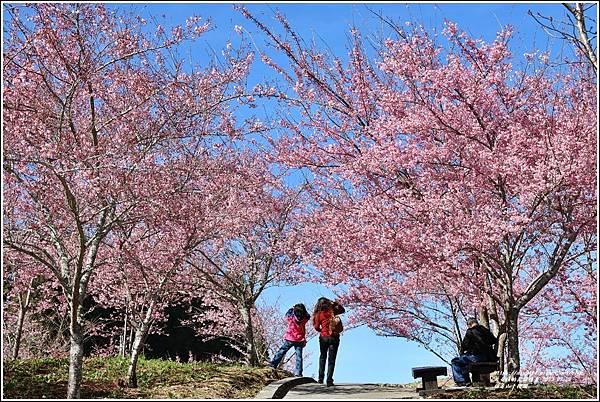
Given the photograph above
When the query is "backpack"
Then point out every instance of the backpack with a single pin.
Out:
(335, 326)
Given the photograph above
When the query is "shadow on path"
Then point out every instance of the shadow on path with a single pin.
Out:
(352, 391)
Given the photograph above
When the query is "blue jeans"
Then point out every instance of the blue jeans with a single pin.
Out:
(460, 367)
(287, 345)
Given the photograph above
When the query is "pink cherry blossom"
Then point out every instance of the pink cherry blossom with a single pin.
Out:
(444, 180)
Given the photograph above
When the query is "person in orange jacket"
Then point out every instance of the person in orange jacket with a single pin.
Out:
(329, 326)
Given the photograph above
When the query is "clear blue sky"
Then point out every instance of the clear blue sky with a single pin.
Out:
(363, 356)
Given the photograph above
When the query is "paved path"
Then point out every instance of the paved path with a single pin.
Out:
(351, 391)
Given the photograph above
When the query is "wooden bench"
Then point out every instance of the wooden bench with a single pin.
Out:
(481, 372)
(428, 377)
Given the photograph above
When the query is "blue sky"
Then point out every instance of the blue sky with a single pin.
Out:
(331, 22)
(363, 357)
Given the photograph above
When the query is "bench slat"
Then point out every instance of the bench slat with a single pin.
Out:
(432, 371)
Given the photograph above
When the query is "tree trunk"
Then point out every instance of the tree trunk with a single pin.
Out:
(19, 333)
(252, 357)
(124, 341)
(483, 316)
(495, 328)
(21, 320)
(492, 311)
(130, 339)
(512, 339)
(135, 354)
(75, 361)
(138, 344)
(501, 354)
(23, 308)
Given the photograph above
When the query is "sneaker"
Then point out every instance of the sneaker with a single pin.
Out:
(320, 381)
(330, 384)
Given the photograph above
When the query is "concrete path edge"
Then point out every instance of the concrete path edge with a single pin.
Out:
(278, 389)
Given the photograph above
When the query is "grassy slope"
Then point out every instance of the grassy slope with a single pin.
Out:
(47, 378)
(549, 391)
(536, 392)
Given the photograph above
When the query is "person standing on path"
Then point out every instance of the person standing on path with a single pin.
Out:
(329, 326)
(295, 336)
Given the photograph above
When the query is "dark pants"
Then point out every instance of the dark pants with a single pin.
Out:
(329, 347)
(460, 367)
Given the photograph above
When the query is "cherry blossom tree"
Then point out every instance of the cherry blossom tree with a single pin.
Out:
(576, 29)
(22, 293)
(147, 269)
(141, 279)
(33, 320)
(431, 319)
(238, 266)
(562, 326)
(441, 161)
(92, 104)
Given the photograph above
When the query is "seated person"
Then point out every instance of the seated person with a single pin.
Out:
(478, 345)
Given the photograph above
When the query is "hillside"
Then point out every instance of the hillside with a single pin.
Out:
(47, 378)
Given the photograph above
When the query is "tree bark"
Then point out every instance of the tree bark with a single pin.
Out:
(23, 308)
(138, 343)
(78, 290)
(494, 321)
(130, 339)
(124, 340)
(483, 316)
(582, 30)
(501, 354)
(252, 357)
(75, 359)
(512, 339)
(135, 354)
(20, 321)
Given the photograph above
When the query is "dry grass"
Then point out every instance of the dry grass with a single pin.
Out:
(157, 379)
(534, 392)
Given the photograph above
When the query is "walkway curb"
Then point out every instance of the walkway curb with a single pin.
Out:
(278, 389)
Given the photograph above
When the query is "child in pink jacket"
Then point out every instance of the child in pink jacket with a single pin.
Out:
(295, 336)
